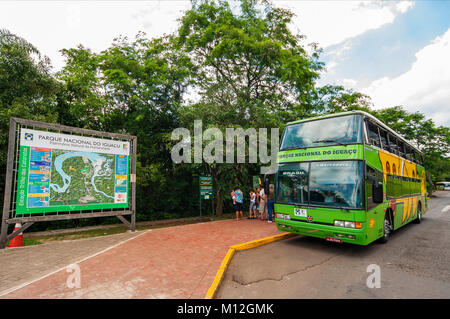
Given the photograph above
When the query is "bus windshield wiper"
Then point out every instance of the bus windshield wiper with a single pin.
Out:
(329, 141)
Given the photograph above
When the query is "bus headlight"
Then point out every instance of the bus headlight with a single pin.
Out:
(350, 224)
(339, 223)
(347, 224)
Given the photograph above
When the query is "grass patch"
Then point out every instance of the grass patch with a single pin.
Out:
(31, 242)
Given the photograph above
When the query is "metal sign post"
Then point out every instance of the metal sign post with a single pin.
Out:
(57, 172)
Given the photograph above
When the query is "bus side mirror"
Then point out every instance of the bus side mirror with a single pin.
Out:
(377, 192)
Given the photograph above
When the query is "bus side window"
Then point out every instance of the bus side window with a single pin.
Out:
(409, 153)
(393, 144)
(373, 177)
(401, 147)
(416, 157)
(372, 131)
(384, 141)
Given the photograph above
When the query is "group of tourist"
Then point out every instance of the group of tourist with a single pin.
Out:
(261, 204)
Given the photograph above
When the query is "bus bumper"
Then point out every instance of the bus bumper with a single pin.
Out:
(328, 232)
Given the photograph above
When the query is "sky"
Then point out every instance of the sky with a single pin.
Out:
(397, 52)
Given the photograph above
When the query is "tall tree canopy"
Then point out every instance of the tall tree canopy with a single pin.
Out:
(250, 71)
(27, 88)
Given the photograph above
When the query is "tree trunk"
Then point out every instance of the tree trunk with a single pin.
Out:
(219, 205)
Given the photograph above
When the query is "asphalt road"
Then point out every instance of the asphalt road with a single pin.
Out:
(415, 263)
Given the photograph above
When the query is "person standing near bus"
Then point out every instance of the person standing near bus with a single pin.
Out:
(239, 199)
(252, 208)
(262, 204)
(232, 197)
(271, 202)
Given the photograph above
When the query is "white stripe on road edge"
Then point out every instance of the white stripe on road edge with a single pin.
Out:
(8, 291)
(446, 208)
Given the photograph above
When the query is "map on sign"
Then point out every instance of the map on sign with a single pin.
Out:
(81, 177)
(64, 172)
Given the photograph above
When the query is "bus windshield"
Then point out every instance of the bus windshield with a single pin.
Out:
(330, 131)
(327, 183)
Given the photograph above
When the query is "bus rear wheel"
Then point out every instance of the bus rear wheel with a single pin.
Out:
(387, 229)
(418, 220)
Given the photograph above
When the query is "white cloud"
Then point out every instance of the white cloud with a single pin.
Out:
(349, 83)
(424, 87)
(54, 25)
(331, 22)
(404, 6)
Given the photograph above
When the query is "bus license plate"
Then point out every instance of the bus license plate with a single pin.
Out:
(300, 212)
(334, 240)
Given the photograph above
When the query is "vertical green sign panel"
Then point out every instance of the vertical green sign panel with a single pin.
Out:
(205, 184)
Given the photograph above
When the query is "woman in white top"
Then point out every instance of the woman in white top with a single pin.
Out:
(262, 204)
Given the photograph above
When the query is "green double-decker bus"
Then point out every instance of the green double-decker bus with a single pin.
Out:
(347, 177)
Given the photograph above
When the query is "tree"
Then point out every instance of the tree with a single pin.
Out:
(27, 88)
(335, 98)
(251, 71)
(133, 87)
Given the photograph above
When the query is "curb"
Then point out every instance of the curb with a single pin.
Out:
(226, 261)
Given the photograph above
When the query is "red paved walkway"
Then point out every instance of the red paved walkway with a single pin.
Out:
(174, 262)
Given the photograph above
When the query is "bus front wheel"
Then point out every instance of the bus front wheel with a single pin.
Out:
(387, 228)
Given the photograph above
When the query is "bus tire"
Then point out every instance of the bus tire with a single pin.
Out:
(418, 220)
(387, 229)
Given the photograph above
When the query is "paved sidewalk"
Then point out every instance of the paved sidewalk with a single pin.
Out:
(174, 262)
(19, 266)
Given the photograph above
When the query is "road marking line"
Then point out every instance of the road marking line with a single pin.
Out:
(226, 261)
(8, 291)
(446, 208)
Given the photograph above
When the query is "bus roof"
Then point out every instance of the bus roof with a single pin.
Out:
(320, 117)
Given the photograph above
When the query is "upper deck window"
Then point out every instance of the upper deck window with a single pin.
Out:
(325, 132)
(374, 138)
(384, 141)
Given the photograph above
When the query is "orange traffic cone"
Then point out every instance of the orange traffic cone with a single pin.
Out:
(18, 240)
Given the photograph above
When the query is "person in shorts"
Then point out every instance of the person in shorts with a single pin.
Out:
(238, 199)
(252, 208)
(262, 204)
(257, 198)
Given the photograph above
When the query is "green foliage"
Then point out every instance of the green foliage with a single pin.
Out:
(334, 99)
(27, 89)
(251, 71)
